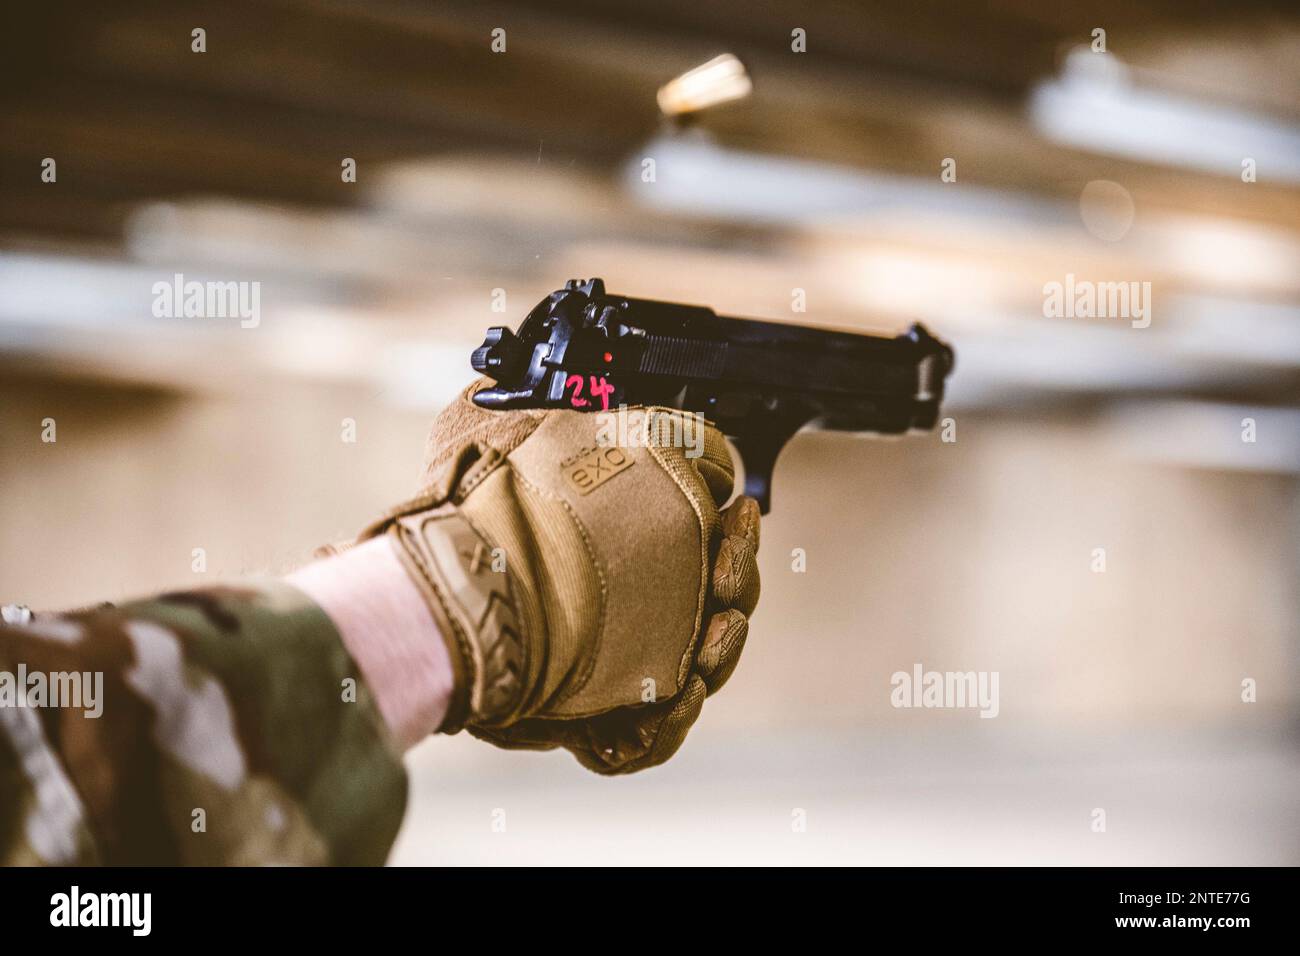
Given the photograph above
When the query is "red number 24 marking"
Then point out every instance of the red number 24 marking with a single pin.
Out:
(599, 388)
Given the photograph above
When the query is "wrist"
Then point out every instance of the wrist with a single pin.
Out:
(390, 632)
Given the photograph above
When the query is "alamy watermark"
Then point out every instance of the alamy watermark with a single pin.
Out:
(1084, 299)
(180, 299)
(74, 690)
(953, 690)
(133, 911)
(629, 428)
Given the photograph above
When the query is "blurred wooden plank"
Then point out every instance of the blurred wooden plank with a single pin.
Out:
(288, 88)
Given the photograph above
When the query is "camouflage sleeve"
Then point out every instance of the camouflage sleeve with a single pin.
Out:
(221, 726)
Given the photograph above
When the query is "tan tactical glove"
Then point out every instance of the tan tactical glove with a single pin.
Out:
(589, 592)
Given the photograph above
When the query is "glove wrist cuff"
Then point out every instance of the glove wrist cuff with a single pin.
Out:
(468, 591)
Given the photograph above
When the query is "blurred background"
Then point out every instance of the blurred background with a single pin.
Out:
(881, 163)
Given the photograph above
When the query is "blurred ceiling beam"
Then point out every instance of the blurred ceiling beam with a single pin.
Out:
(288, 88)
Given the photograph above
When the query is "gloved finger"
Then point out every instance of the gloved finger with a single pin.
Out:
(672, 732)
(526, 735)
(735, 574)
(462, 422)
(742, 518)
(719, 653)
(715, 466)
(635, 738)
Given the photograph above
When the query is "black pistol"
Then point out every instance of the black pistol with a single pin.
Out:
(759, 382)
